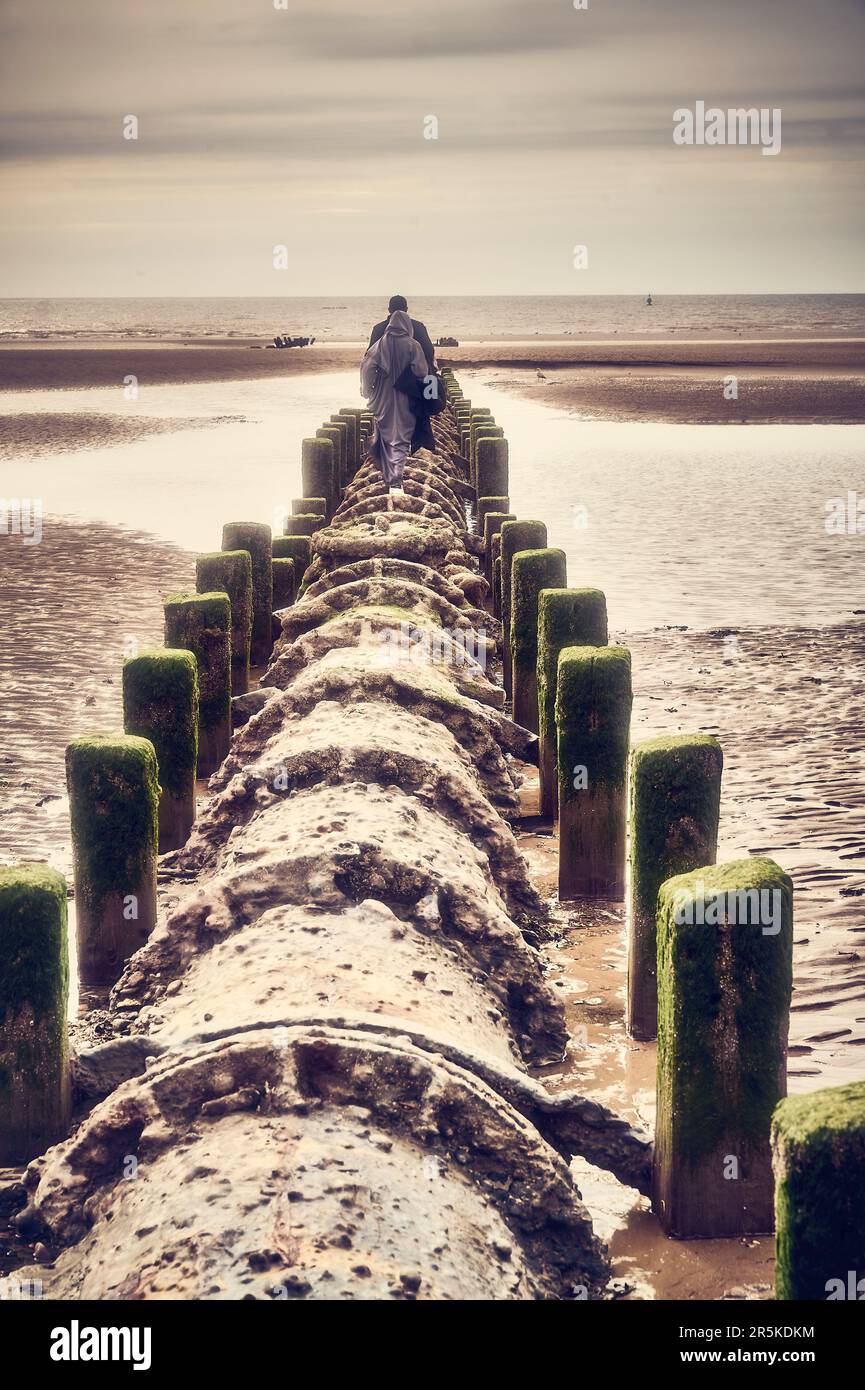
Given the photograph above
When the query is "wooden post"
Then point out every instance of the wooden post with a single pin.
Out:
(818, 1152)
(491, 467)
(160, 703)
(489, 504)
(318, 471)
(257, 539)
(298, 549)
(497, 579)
(230, 572)
(304, 525)
(283, 584)
(516, 535)
(114, 807)
(675, 796)
(532, 571)
(593, 719)
(35, 1102)
(309, 506)
(725, 971)
(337, 439)
(566, 618)
(492, 526)
(201, 624)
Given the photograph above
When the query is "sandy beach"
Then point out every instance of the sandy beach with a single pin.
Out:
(777, 381)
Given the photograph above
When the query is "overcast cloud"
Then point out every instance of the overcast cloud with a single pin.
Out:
(305, 127)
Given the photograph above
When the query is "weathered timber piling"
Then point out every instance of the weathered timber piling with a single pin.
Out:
(230, 572)
(201, 624)
(257, 539)
(296, 548)
(532, 571)
(160, 703)
(675, 798)
(318, 466)
(725, 948)
(515, 535)
(361, 815)
(114, 808)
(309, 506)
(283, 583)
(306, 524)
(566, 618)
(337, 439)
(34, 988)
(493, 522)
(818, 1157)
(593, 719)
(489, 504)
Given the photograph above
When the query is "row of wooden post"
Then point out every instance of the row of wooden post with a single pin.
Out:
(716, 993)
(643, 821)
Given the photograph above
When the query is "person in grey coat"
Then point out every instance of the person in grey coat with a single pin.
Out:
(383, 364)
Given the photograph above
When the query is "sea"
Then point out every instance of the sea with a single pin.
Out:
(482, 318)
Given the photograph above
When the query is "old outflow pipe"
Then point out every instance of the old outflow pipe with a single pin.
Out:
(327, 1039)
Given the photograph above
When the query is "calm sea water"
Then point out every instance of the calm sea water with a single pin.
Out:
(484, 317)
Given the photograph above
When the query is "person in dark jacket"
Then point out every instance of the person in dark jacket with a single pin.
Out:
(398, 303)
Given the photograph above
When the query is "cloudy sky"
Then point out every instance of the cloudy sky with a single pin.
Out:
(303, 126)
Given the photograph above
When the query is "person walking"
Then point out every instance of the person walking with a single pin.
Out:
(399, 304)
(384, 362)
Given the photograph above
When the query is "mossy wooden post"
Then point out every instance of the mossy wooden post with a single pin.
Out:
(337, 439)
(230, 572)
(283, 584)
(593, 720)
(304, 525)
(491, 467)
(346, 472)
(675, 796)
(483, 429)
(493, 522)
(201, 624)
(35, 1102)
(258, 540)
(296, 548)
(353, 414)
(114, 808)
(516, 535)
(319, 472)
(309, 506)
(489, 504)
(160, 703)
(818, 1158)
(566, 618)
(725, 971)
(532, 571)
(497, 580)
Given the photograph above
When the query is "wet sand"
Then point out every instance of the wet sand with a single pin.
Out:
(778, 380)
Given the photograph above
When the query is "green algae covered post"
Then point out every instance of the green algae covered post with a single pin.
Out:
(566, 618)
(305, 524)
(160, 703)
(354, 415)
(114, 807)
(675, 796)
(230, 572)
(318, 467)
(296, 548)
(283, 584)
(489, 504)
(532, 571)
(818, 1157)
(725, 971)
(516, 535)
(309, 506)
(337, 439)
(491, 467)
(344, 429)
(257, 539)
(201, 624)
(593, 721)
(497, 581)
(35, 1101)
(493, 522)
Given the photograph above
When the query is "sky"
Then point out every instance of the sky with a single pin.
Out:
(301, 124)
